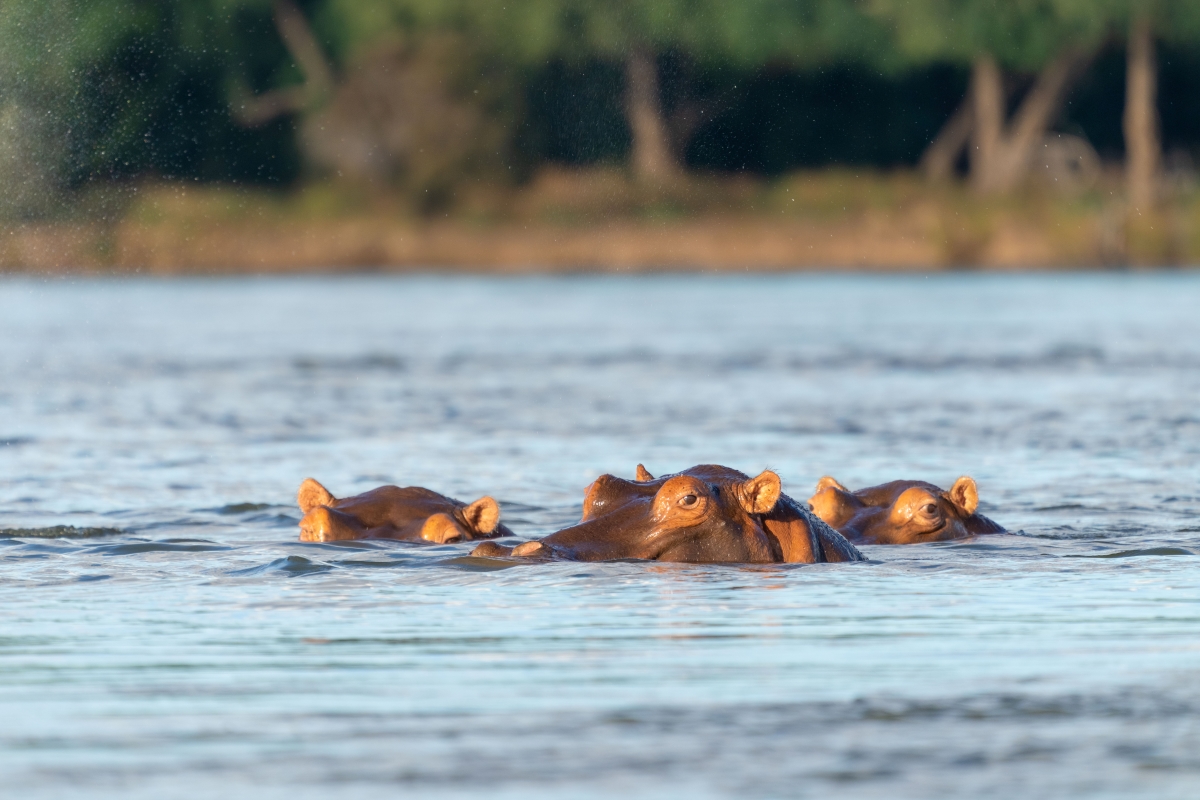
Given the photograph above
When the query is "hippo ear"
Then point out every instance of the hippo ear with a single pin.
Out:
(313, 494)
(964, 494)
(759, 495)
(483, 515)
(642, 475)
(827, 482)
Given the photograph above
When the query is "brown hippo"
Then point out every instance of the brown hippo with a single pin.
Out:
(902, 512)
(706, 514)
(391, 512)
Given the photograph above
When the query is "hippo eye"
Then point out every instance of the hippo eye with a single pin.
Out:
(687, 500)
(930, 509)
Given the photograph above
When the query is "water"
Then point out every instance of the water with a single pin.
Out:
(191, 647)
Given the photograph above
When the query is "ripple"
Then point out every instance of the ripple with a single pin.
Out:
(58, 532)
(134, 548)
(290, 566)
(242, 508)
(480, 564)
(1149, 551)
(368, 563)
(16, 441)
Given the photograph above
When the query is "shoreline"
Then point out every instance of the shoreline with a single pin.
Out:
(694, 245)
(598, 223)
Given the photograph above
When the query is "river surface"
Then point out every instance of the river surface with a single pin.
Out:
(163, 633)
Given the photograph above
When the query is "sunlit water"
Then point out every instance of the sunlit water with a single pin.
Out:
(197, 649)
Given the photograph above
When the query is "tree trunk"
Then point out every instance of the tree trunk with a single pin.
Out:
(1002, 152)
(252, 111)
(653, 159)
(937, 162)
(1143, 150)
(987, 91)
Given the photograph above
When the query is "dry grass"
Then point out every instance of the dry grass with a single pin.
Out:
(567, 220)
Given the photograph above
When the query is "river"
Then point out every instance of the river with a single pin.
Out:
(163, 633)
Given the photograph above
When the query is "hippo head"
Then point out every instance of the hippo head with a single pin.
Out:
(705, 514)
(392, 512)
(902, 512)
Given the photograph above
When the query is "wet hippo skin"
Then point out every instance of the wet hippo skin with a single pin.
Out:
(902, 512)
(393, 512)
(703, 515)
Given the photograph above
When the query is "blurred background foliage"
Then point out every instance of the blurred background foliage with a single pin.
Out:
(417, 98)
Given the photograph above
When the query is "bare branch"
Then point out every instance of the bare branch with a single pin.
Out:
(252, 111)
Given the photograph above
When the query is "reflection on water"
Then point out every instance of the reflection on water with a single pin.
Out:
(162, 627)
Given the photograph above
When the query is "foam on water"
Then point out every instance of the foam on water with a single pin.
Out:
(165, 634)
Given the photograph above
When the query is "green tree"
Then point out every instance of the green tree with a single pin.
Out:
(45, 46)
(635, 33)
(1145, 21)
(94, 89)
(1053, 38)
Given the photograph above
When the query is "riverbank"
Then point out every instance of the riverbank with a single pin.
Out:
(596, 220)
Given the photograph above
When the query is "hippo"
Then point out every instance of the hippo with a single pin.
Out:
(902, 512)
(703, 515)
(392, 512)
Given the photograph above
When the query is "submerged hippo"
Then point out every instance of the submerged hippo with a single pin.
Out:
(706, 514)
(902, 512)
(392, 512)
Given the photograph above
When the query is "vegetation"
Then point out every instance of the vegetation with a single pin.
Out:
(425, 106)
